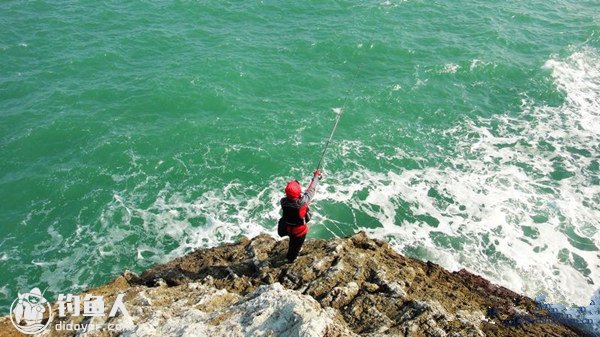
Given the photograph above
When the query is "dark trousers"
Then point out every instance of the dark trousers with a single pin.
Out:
(295, 246)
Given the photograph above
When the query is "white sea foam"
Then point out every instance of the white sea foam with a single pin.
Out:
(392, 4)
(493, 197)
(450, 68)
(212, 218)
(477, 64)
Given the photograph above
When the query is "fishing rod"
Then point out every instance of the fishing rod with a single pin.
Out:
(339, 114)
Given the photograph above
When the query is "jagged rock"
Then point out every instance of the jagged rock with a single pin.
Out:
(131, 277)
(270, 310)
(342, 287)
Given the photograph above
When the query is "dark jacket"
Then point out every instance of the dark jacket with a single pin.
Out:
(296, 212)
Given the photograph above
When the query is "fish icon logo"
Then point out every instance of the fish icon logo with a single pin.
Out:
(30, 313)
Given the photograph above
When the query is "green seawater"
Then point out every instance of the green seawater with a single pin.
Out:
(133, 132)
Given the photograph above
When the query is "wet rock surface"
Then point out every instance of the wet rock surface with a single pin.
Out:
(353, 286)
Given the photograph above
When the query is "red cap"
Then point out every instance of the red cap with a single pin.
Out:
(293, 189)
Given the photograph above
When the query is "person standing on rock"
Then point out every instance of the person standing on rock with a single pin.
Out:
(296, 213)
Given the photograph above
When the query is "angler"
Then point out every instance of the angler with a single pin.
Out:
(296, 213)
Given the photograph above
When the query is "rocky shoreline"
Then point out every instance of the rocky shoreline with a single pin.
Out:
(354, 286)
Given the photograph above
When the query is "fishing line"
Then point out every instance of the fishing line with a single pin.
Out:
(341, 111)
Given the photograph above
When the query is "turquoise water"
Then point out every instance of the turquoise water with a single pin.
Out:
(135, 132)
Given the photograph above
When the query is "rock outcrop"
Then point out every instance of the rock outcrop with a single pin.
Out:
(354, 286)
